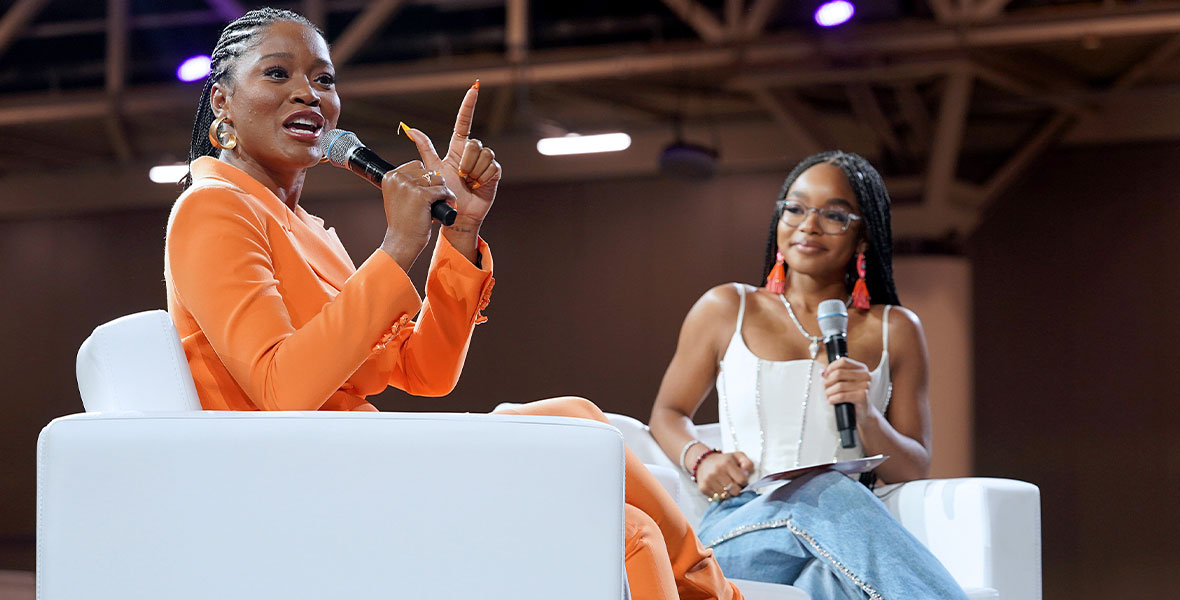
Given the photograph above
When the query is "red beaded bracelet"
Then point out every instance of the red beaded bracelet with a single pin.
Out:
(693, 472)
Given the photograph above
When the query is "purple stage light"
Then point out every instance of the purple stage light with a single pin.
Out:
(193, 69)
(833, 13)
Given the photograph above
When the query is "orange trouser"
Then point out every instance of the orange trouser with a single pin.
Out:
(664, 558)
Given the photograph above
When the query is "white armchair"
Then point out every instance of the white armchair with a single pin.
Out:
(987, 532)
(152, 499)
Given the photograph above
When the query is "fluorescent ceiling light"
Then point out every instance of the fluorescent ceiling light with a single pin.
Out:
(583, 144)
(168, 173)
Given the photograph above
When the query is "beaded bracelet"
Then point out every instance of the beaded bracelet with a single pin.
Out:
(695, 466)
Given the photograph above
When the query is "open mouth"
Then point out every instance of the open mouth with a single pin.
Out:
(304, 123)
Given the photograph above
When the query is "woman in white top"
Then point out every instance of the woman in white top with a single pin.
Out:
(762, 348)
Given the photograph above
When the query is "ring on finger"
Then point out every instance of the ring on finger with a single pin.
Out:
(726, 488)
(715, 498)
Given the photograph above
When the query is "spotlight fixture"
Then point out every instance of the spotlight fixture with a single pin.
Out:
(573, 143)
(834, 12)
(194, 68)
(168, 173)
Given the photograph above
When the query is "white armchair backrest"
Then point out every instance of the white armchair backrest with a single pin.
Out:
(136, 363)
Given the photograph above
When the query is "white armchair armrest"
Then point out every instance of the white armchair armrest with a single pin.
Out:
(302, 506)
(987, 532)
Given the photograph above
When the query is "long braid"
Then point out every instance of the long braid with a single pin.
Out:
(873, 198)
(236, 39)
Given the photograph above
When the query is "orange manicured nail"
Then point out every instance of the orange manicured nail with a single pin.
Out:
(405, 128)
(475, 86)
(475, 186)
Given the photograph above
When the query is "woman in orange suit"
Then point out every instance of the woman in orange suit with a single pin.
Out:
(274, 316)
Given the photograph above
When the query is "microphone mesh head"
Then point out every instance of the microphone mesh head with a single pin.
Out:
(833, 318)
(338, 144)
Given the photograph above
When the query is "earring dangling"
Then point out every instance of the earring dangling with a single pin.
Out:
(776, 282)
(860, 291)
(221, 141)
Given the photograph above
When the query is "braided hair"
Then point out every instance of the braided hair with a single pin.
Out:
(236, 39)
(873, 199)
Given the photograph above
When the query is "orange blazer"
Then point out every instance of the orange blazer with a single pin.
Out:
(273, 315)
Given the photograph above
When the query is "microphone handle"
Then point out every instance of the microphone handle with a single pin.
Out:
(367, 164)
(837, 346)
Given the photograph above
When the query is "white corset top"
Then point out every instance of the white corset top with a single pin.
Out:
(776, 412)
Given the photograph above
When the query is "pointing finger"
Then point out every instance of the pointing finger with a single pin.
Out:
(463, 122)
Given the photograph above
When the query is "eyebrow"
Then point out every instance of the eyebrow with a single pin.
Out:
(841, 201)
(289, 56)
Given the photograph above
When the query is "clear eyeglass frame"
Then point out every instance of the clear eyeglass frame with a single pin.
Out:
(832, 221)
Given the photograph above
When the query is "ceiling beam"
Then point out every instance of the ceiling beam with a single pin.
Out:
(1046, 135)
(516, 30)
(733, 17)
(944, 11)
(15, 19)
(868, 110)
(118, 34)
(786, 114)
(1153, 61)
(758, 16)
(607, 63)
(948, 136)
(917, 117)
(1058, 125)
(699, 18)
(362, 28)
(985, 10)
(1015, 86)
(808, 76)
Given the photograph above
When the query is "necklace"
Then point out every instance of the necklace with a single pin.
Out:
(815, 339)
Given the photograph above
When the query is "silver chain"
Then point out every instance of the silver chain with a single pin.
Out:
(814, 339)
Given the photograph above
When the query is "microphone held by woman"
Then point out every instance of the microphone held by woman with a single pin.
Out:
(343, 149)
(833, 325)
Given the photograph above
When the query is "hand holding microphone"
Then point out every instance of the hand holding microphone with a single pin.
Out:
(462, 185)
(846, 381)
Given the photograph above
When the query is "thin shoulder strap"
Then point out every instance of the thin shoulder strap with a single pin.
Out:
(885, 328)
(741, 290)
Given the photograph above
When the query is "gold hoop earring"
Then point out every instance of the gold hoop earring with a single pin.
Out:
(223, 141)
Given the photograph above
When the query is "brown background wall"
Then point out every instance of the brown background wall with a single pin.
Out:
(1076, 352)
(1071, 348)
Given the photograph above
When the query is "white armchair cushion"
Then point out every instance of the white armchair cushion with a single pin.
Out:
(135, 363)
(304, 506)
(985, 531)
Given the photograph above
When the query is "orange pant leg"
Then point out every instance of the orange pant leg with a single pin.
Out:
(649, 569)
(696, 572)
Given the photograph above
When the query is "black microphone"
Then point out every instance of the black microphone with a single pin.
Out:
(343, 149)
(833, 325)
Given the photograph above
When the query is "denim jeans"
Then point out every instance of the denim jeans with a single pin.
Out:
(828, 535)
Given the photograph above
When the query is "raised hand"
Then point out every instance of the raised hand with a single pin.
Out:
(469, 169)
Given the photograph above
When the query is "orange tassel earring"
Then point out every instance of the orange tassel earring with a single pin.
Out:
(776, 282)
(860, 291)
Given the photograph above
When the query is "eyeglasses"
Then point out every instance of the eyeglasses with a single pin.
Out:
(832, 220)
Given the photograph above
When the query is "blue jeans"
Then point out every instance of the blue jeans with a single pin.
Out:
(828, 535)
